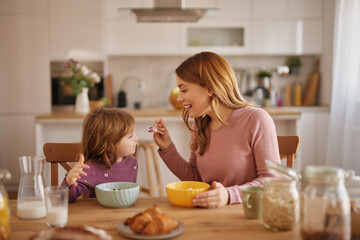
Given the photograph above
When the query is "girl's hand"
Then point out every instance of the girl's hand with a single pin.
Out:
(216, 197)
(76, 171)
(162, 137)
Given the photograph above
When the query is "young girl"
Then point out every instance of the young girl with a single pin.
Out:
(108, 142)
(230, 139)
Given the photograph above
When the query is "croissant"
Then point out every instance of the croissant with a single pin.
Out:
(151, 222)
(140, 222)
(161, 224)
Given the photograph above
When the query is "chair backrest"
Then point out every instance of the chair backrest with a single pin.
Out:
(60, 153)
(288, 147)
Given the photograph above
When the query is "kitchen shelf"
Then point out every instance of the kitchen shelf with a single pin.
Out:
(215, 36)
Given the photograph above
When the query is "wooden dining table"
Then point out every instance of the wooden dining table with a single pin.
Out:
(227, 222)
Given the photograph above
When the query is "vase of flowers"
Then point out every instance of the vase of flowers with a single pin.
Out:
(80, 78)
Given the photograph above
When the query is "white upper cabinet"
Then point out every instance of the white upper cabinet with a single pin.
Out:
(24, 68)
(125, 36)
(287, 27)
(131, 38)
(76, 29)
(230, 27)
(224, 29)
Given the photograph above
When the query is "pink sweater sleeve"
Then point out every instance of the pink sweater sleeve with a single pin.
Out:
(185, 171)
(265, 147)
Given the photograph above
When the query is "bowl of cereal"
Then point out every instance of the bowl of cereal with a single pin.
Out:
(117, 194)
(182, 193)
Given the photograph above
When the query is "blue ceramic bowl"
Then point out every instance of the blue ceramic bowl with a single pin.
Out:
(117, 194)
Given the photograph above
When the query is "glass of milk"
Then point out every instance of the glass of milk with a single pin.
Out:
(56, 201)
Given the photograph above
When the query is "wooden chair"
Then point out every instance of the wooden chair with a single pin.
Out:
(151, 163)
(60, 153)
(288, 147)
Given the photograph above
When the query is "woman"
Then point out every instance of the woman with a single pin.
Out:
(230, 139)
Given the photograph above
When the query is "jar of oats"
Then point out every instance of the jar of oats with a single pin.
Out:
(325, 204)
(280, 204)
(352, 184)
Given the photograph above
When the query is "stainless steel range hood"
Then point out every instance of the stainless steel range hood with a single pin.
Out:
(168, 11)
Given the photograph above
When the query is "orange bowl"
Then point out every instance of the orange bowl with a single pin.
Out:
(182, 193)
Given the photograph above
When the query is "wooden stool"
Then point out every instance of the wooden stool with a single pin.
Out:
(150, 149)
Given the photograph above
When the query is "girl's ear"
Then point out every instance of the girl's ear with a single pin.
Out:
(210, 93)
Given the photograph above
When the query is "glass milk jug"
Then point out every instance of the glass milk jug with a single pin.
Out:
(4, 207)
(326, 204)
(30, 201)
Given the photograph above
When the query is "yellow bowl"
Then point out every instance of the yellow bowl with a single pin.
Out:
(182, 193)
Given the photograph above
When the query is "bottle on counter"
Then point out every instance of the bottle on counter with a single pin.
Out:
(325, 204)
(4, 207)
(297, 90)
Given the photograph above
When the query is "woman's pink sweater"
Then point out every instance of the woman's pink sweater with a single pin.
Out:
(236, 154)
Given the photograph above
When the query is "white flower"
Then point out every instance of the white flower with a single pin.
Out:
(85, 71)
(95, 77)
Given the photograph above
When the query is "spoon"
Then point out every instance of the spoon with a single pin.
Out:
(87, 184)
(153, 128)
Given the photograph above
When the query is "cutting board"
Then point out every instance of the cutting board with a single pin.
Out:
(312, 86)
(109, 90)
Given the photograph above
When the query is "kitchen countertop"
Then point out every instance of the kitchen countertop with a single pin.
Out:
(165, 112)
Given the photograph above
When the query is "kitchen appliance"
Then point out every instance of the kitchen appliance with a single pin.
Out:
(168, 11)
(62, 95)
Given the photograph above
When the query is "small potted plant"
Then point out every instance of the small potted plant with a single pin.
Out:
(294, 64)
(263, 74)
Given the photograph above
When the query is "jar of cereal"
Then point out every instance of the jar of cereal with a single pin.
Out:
(326, 204)
(352, 184)
(280, 204)
(4, 207)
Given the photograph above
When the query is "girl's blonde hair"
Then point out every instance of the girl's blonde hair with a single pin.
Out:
(103, 128)
(212, 71)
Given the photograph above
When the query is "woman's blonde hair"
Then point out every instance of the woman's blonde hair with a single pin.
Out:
(212, 71)
(103, 128)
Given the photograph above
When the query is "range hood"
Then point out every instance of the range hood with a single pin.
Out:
(168, 11)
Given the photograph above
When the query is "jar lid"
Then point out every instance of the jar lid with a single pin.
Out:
(324, 174)
(352, 181)
(283, 171)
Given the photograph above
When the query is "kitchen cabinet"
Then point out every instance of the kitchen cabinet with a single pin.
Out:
(243, 27)
(24, 57)
(225, 37)
(125, 36)
(286, 37)
(24, 79)
(12, 146)
(313, 130)
(76, 29)
(286, 27)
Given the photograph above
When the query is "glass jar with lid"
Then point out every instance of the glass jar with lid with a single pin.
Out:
(352, 184)
(325, 204)
(4, 206)
(280, 201)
